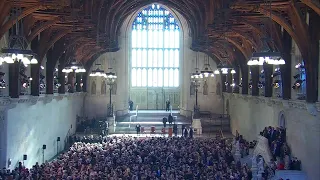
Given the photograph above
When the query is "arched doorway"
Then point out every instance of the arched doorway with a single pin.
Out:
(155, 58)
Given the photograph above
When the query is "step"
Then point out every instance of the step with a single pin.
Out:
(154, 113)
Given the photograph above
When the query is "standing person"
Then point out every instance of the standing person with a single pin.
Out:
(185, 132)
(131, 105)
(164, 120)
(175, 129)
(190, 132)
(138, 127)
(167, 105)
(170, 119)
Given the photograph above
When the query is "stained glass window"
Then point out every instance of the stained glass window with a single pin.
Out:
(155, 48)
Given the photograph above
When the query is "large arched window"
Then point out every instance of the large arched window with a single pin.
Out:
(155, 48)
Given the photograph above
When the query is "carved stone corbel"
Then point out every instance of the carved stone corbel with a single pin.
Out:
(33, 100)
(47, 99)
(58, 97)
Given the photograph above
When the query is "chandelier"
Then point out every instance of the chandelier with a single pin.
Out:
(223, 69)
(267, 55)
(197, 75)
(111, 77)
(17, 50)
(97, 72)
(207, 68)
(74, 67)
(260, 58)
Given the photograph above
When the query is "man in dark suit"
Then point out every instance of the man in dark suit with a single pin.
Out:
(170, 119)
(175, 129)
(164, 121)
(191, 132)
(138, 128)
(167, 105)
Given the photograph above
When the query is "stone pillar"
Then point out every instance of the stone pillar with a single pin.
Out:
(71, 81)
(236, 80)
(35, 75)
(223, 80)
(14, 81)
(245, 79)
(85, 81)
(78, 82)
(49, 72)
(268, 69)
(229, 80)
(255, 80)
(312, 62)
(286, 69)
(61, 77)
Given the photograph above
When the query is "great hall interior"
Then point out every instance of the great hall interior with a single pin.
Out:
(160, 89)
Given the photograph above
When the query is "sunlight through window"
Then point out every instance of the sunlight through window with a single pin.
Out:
(155, 49)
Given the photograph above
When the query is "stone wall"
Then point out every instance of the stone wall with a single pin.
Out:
(249, 115)
(29, 122)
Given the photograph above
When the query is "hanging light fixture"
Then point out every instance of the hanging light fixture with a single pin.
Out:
(206, 69)
(97, 72)
(197, 74)
(223, 69)
(267, 56)
(74, 67)
(17, 50)
(110, 75)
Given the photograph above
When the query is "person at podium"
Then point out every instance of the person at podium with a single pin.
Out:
(167, 105)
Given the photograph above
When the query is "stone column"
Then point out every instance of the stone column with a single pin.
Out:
(49, 72)
(223, 80)
(14, 82)
(255, 80)
(35, 75)
(229, 80)
(78, 82)
(71, 81)
(286, 69)
(268, 80)
(61, 77)
(245, 79)
(236, 80)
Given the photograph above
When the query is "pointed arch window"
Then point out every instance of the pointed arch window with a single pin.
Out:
(155, 48)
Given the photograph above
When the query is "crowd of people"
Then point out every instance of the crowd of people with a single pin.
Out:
(282, 157)
(117, 158)
(244, 144)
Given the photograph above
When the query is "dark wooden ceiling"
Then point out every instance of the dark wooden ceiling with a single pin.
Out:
(69, 28)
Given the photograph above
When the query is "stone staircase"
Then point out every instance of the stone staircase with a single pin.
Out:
(214, 123)
(147, 118)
